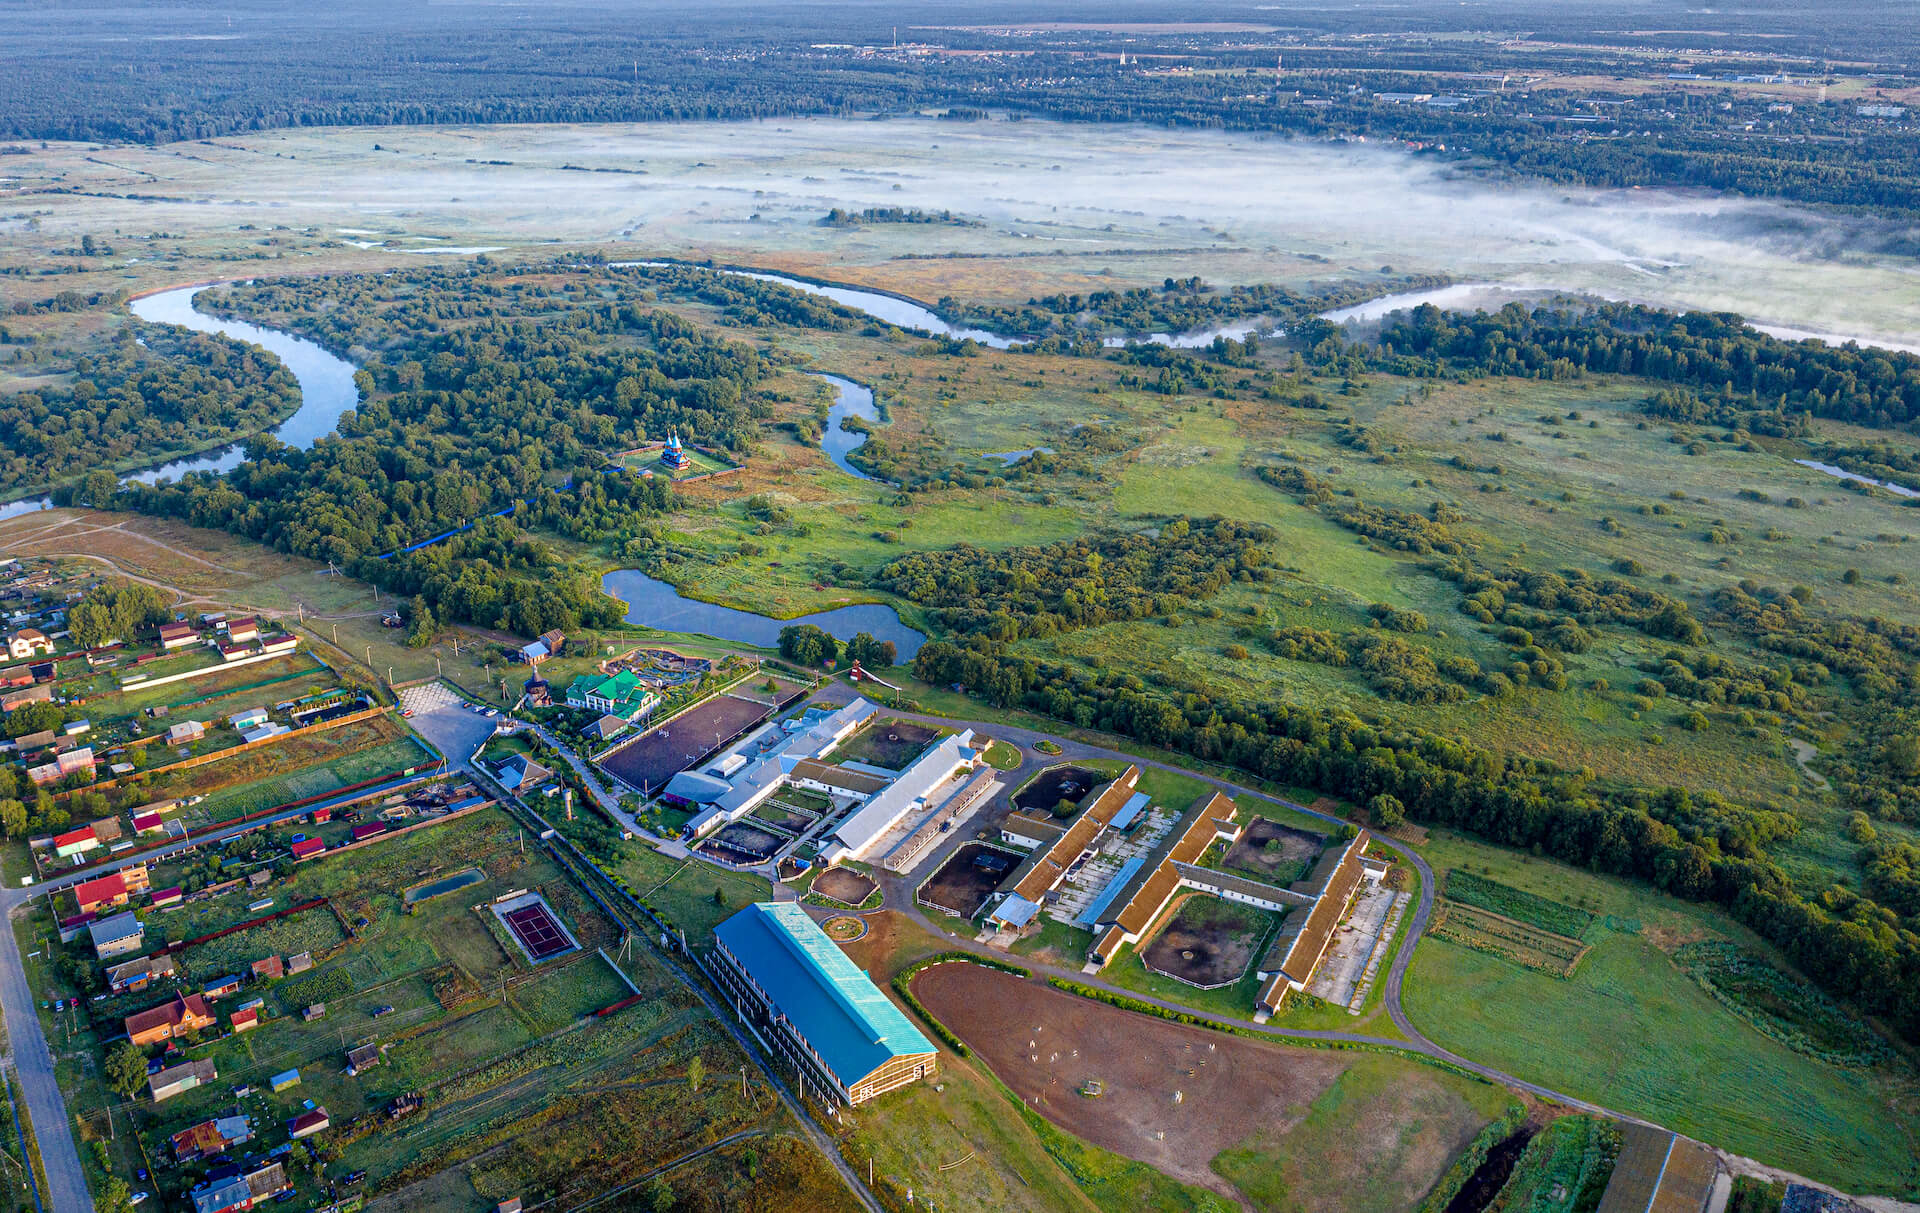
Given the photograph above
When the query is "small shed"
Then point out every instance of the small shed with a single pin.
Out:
(284, 1080)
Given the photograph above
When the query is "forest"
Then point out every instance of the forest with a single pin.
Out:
(292, 66)
(486, 396)
(1737, 368)
(154, 391)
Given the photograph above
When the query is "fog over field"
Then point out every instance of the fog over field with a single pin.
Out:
(1232, 207)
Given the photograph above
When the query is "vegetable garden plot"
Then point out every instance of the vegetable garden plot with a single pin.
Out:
(1522, 943)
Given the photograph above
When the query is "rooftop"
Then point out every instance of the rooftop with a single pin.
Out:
(847, 1021)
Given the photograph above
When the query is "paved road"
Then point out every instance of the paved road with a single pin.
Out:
(66, 1181)
(900, 897)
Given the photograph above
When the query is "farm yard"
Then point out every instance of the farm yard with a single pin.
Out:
(887, 743)
(1207, 941)
(970, 875)
(1282, 1127)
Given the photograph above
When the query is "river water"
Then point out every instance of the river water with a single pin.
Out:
(327, 389)
(850, 400)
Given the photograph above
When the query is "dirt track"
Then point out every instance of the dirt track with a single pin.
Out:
(1045, 1044)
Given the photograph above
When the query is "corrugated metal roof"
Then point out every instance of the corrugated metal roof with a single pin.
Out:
(876, 817)
(1136, 805)
(842, 1015)
(1099, 904)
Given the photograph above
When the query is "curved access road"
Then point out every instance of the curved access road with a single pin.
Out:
(900, 897)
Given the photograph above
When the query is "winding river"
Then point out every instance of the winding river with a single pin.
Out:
(326, 383)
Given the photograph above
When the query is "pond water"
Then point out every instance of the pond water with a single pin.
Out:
(655, 604)
(326, 389)
(1898, 490)
(1012, 457)
(446, 884)
(850, 400)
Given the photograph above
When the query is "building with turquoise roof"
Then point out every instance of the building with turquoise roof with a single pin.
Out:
(821, 1013)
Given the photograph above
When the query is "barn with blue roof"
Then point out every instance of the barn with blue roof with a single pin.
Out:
(820, 1012)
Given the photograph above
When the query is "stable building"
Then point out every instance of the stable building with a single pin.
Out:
(818, 1010)
(1303, 938)
(1121, 913)
(858, 836)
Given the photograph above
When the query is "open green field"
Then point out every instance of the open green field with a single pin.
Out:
(1314, 1163)
(1695, 1066)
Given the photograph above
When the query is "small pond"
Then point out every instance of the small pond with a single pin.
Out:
(653, 603)
(446, 884)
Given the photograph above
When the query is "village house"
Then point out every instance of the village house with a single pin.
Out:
(75, 842)
(186, 730)
(177, 1080)
(138, 974)
(117, 936)
(308, 1123)
(210, 1138)
(110, 891)
(27, 643)
(237, 1189)
(617, 694)
(185, 1013)
(177, 636)
(241, 630)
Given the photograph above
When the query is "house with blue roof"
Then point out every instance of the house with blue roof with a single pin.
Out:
(795, 985)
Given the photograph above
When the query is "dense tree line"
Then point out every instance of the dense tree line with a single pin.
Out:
(154, 391)
(1695, 846)
(1078, 583)
(1180, 305)
(1709, 352)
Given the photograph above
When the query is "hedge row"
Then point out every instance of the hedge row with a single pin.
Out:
(905, 977)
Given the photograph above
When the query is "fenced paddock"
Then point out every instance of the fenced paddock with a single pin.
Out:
(1208, 941)
(968, 877)
(657, 755)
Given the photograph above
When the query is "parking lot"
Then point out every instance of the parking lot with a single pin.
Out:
(442, 717)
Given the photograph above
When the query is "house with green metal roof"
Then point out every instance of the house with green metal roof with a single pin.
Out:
(821, 1013)
(619, 694)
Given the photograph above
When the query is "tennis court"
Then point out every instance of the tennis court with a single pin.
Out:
(535, 927)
